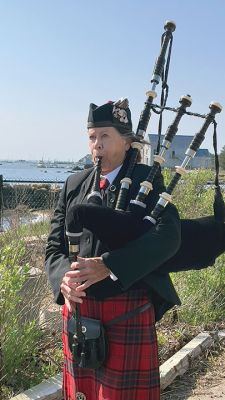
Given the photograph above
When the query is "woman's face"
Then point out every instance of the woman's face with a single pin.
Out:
(106, 142)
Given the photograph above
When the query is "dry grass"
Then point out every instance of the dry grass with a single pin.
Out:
(205, 372)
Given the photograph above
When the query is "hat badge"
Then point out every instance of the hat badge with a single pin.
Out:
(119, 111)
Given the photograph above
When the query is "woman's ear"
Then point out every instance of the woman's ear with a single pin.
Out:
(127, 145)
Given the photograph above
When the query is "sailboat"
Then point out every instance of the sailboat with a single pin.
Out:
(41, 164)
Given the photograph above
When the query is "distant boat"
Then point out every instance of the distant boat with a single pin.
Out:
(41, 164)
(77, 168)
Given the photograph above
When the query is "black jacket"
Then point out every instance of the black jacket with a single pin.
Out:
(134, 264)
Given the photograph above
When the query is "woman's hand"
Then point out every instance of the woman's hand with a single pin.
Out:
(69, 290)
(89, 271)
(84, 273)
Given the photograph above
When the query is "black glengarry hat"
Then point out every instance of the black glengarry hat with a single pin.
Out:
(116, 114)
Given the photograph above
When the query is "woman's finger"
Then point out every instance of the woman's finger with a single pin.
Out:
(71, 297)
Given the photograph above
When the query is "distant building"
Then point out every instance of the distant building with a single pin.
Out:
(176, 153)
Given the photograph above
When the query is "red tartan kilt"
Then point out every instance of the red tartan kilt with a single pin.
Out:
(132, 368)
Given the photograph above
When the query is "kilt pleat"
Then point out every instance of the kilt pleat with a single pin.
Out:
(131, 371)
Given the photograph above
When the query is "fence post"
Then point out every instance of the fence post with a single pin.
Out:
(1, 202)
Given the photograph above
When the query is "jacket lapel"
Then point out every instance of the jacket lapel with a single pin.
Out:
(85, 187)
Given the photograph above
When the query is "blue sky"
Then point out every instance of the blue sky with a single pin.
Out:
(57, 56)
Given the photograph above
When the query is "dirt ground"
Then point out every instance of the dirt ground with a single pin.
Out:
(204, 381)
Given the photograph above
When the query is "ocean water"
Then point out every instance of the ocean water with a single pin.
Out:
(30, 171)
(16, 171)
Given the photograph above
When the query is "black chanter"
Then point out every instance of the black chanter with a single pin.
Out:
(84, 356)
(78, 339)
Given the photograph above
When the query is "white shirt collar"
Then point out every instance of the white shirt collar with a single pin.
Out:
(111, 175)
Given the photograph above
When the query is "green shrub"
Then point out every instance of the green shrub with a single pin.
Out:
(19, 340)
(190, 195)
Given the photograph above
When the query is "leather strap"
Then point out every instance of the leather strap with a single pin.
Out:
(129, 314)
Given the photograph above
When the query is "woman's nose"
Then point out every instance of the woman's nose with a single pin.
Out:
(98, 144)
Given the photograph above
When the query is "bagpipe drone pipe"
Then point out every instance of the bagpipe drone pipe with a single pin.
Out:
(202, 239)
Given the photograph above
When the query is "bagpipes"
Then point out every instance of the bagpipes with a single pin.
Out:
(202, 239)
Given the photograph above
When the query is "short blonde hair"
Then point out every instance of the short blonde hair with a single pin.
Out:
(131, 137)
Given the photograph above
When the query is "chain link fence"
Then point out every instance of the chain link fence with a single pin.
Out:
(27, 201)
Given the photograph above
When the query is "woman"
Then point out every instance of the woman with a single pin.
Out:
(108, 284)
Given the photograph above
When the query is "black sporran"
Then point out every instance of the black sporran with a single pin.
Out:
(87, 337)
(89, 347)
